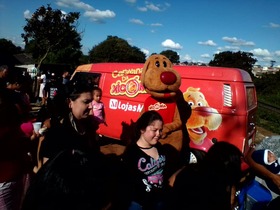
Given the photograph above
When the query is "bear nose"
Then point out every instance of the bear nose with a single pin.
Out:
(168, 78)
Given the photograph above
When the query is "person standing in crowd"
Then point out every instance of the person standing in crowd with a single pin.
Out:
(15, 84)
(4, 70)
(145, 164)
(76, 130)
(43, 81)
(65, 77)
(72, 180)
(14, 160)
(211, 183)
(54, 95)
(98, 108)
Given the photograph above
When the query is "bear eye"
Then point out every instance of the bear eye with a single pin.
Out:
(164, 64)
(191, 103)
(200, 104)
(157, 64)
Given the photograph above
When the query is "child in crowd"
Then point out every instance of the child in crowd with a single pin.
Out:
(145, 162)
(270, 161)
(98, 108)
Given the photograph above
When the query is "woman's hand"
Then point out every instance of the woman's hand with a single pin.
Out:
(276, 180)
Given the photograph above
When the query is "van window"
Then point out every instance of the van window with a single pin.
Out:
(251, 99)
(92, 78)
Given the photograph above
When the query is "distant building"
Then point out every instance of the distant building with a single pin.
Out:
(258, 71)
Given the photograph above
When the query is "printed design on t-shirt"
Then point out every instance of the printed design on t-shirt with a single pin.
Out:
(153, 170)
(53, 92)
(157, 106)
(148, 186)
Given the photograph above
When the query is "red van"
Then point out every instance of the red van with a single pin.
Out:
(223, 101)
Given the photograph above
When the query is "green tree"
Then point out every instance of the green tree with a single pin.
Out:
(115, 49)
(171, 55)
(7, 52)
(51, 36)
(7, 46)
(241, 60)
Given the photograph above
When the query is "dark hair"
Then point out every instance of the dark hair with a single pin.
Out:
(224, 159)
(3, 67)
(72, 180)
(76, 88)
(97, 89)
(146, 119)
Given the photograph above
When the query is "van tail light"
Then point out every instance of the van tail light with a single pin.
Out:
(227, 95)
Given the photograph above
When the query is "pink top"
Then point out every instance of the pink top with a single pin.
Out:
(98, 108)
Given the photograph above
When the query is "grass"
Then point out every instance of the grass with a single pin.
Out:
(268, 120)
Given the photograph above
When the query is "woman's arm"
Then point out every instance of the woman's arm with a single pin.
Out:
(260, 170)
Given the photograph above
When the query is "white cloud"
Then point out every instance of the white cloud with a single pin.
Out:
(27, 14)
(168, 43)
(269, 58)
(131, 1)
(277, 53)
(186, 57)
(238, 42)
(93, 14)
(145, 51)
(260, 52)
(205, 55)
(136, 21)
(63, 12)
(156, 24)
(142, 9)
(74, 3)
(208, 43)
(274, 25)
(98, 16)
(153, 7)
(229, 48)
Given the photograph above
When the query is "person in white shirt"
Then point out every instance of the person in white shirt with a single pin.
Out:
(43, 80)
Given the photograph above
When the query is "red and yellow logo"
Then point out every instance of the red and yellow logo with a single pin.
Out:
(129, 86)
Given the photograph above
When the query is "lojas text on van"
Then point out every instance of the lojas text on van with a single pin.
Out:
(223, 101)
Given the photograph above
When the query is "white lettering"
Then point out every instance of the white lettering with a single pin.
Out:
(140, 107)
(113, 103)
(116, 104)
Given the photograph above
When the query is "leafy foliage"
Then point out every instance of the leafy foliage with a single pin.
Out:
(268, 83)
(171, 55)
(7, 46)
(115, 49)
(7, 50)
(51, 35)
(267, 88)
(241, 60)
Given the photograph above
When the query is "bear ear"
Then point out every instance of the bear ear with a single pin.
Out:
(144, 69)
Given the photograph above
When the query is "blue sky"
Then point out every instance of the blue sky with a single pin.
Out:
(195, 29)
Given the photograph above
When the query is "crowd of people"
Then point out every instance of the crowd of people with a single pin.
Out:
(62, 167)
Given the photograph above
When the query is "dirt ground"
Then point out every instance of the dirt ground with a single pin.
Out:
(262, 133)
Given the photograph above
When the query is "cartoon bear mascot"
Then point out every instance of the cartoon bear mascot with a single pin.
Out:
(162, 82)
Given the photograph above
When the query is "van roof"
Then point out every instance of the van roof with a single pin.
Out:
(202, 72)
